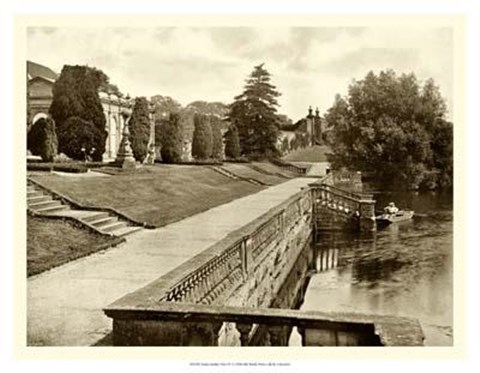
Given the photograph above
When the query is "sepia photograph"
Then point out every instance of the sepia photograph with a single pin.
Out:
(240, 184)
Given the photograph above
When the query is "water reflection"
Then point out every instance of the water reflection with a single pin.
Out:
(404, 269)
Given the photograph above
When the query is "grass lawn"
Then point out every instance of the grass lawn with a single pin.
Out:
(157, 195)
(312, 154)
(51, 243)
(244, 170)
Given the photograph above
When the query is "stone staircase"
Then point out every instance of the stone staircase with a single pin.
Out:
(41, 202)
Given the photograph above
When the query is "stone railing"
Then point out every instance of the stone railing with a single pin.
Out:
(213, 274)
(184, 324)
(342, 202)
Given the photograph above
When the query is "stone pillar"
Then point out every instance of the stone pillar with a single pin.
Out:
(367, 216)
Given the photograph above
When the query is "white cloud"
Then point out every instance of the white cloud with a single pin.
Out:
(309, 65)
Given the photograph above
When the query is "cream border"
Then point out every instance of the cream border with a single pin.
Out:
(292, 354)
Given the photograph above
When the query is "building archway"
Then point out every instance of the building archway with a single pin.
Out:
(39, 116)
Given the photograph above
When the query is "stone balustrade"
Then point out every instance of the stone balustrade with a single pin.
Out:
(358, 209)
(186, 324)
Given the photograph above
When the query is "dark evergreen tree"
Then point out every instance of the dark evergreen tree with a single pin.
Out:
(42, 139)
(217, 139)
(254, 114)
(232, 143)
(171, 145)
(75, 94)
(80, 138)
(139, 126)
(202, 137)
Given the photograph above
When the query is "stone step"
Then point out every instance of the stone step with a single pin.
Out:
(95, 216)
(104, 221)
(41, 204)
(30, 188)
(120, 232)
(36, 199)
(34, 194)
(52, 209)
(112, 227)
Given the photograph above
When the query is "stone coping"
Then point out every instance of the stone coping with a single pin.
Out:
(157, 289)
(392, 330)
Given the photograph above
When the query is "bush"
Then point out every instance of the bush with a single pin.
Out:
(232, 143)
(68, 167)
(139, 126)
(42, 139)
(78, 134)
(75, 94)
(171, 150)
(202, 138)
(217, 140)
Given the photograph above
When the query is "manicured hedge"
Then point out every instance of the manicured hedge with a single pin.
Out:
(62, 167)
(202, 162)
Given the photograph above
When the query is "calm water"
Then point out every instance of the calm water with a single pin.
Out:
(404, 269)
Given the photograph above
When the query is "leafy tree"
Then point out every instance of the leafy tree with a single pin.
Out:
(171, 145)
(75, 94)
(79, 138)
(254, 114)
(202, 137)
(217, 139)
(42, 139)
(394, 128)
(232, 143)
(139, 126)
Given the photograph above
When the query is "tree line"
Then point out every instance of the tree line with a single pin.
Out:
(391, 126)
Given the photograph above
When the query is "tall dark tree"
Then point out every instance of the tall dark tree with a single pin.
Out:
(217, 139)
(394, 128)
(76, 94)
(202, 137)
(42, 139)
(232, 143)
(171, 145)
(254, 113)
(139, 127)
(79, 138)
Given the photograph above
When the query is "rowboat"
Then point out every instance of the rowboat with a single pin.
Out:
(402, 215)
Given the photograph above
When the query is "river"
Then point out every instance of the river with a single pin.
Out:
(404, 269)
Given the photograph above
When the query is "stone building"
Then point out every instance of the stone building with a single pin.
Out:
(40, 81)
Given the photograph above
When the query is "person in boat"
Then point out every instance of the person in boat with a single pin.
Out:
(391, 209)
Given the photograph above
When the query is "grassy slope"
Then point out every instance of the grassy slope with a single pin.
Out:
(51, 243)
(312, 154)
(158, 195)
(244, 170)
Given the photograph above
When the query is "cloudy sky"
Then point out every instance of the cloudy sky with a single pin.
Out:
(308, 65)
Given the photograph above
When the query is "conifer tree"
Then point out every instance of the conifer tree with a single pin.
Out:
(171, 146)
(139, 126)
(254, 113)
(202, 137)
(217, 140)
(232, 143)
(75, 94)
(42, 139)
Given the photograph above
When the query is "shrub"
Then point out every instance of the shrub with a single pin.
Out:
(139, 126)
(42, 139)
(75, 94)
(78, 134)
(202, 138)
(232, 143)
(217, 140)
(171, 150)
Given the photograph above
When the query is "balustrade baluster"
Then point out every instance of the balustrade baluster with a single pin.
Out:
(244, 330)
